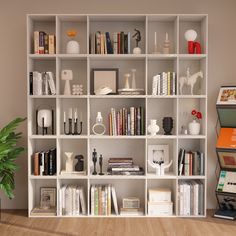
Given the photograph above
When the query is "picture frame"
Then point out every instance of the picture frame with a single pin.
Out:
(227, 159)
(47, 197)
(227, 95)
(157, 153)
(104, 77)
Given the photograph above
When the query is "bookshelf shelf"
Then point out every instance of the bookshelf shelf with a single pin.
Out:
(157, 107)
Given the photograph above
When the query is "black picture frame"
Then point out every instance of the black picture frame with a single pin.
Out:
(115, 79)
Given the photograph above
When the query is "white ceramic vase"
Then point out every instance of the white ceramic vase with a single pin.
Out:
(194, 127)
(72, 47)
(153, 128)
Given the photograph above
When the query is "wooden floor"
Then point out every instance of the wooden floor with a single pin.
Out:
(17, 223)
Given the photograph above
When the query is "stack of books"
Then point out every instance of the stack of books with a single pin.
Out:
(41, 83)
(72, 200)
(102, 197)
(127, 121)
(45, 162)
(104, 43)
(164, 84)
(123, 166)
(159, 202)
(191, 198)
(190, 163)
(44, 43)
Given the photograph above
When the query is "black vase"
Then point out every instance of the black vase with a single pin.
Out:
(167, 124)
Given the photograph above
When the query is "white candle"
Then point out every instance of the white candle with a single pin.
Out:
(64, 117)
(166, 36)
(70, 113)
(155, 38)
(76, 116)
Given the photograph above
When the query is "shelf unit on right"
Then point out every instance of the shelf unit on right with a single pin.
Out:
(156, 107)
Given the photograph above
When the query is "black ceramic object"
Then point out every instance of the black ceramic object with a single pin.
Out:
(94, 161)
(100, 164)
(167, 124)
(79, 166)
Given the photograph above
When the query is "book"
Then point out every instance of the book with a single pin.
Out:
(37, 211)
(131, 211)
(114, 199)
(36, 163)
(36, 42)
(46, 51)
(41, 42)
(51, 44)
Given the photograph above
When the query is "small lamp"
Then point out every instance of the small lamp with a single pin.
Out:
(193, 47)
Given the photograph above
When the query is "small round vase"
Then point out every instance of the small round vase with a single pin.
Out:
(194, 127)
(167, 123)
(72, 47)
(153, 128)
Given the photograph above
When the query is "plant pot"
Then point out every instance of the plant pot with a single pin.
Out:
(194, 127)
(153, 128)
(167, 124)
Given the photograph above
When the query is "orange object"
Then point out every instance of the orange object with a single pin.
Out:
(227, 138)
(71, 33)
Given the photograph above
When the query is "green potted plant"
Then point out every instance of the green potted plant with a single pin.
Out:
(8, 154)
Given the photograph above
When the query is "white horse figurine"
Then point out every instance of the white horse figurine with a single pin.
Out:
(189, 80)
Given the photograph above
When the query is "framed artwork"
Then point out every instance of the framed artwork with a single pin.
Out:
(227, 159)
(227, 202)
(47, 197)
(104, 80)
(157, 153)
(227, 96)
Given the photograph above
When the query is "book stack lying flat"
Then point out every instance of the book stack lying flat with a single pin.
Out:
(102, 197)
(106, 43)
(127, 121)
(191, 198)
(72, 200)
(37, 211)
(45, 162)
(131, 207)
(159, 202)
(190, 163)
(164, 84)
(123, 166)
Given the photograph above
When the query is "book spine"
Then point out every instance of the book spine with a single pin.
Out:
(125, 43)
(46, 44)
(51, 44)
(154, 85)
(41, 42)
(92, 200)
(36, 163)
(118, 40)
(132, 117)
(138, 121)
(142, 121)
(41, 167)
(121, 42)
(110, 124)
(186, 164)
(31, 83)
(129, 47)
(36, 42)
(168, 84)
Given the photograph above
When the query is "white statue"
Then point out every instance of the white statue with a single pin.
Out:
(69, 161)
(160, 166)
(189, 80)
(67, 75)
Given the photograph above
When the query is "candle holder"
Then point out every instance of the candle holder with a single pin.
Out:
(73, 127)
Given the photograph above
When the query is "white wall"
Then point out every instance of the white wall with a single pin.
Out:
(222, 37)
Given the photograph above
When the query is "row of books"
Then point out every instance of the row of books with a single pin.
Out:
(102, 197)
(44, 43)
(164, 84)
(191, 198)
(190, 163)
(72, 200)
(104, 43)
(123, 166)
(45, 162)
(127, 121)
(41, 83)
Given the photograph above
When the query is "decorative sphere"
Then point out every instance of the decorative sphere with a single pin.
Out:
(190, 35)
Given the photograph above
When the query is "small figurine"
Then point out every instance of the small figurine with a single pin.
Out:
(189, 80)
(100, 164)
(160, 166)
(94, 162)
(79, 166)
(137, 36)
(69, 162)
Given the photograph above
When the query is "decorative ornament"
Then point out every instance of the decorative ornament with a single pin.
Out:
(67, 75)
(137, 36)
(72, 46)
(193, 47)
(153, 128)
(99, 128)
(160, 166)
(77, 89)
(167, 123)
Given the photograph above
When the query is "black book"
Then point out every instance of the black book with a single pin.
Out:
(46, 163)
(52, 162)
(122, 42)
(181, 161)
(125, 43)
(109, 45)
(31, 83)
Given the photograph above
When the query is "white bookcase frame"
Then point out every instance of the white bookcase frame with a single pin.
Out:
(173, 23)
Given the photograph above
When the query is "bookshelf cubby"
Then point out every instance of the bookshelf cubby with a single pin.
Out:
(147, 64)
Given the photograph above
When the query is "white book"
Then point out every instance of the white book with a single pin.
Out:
(77, 201)
(92, 200)
(114, 199)
(154, 84)
(74, 202)
(129, 47)
(51, 82)
(62, 203)
(115, 43)
(109, 200)
(41, 168)
(68, 200)
(196, 200)
(174, 83)
(82, 200)
(165, 83)
(181, 199)
(131, 121)
(37, 83)
(188, 202)
(113, 112)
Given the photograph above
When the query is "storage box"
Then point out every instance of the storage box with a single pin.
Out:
(160, 208)
(159, 195)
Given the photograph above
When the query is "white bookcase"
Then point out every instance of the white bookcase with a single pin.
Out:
(156, 107)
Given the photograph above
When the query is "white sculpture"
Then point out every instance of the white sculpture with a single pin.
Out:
(160, 166)
(67, 75)
(69, 162)
(127, 76)
(189, 80)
